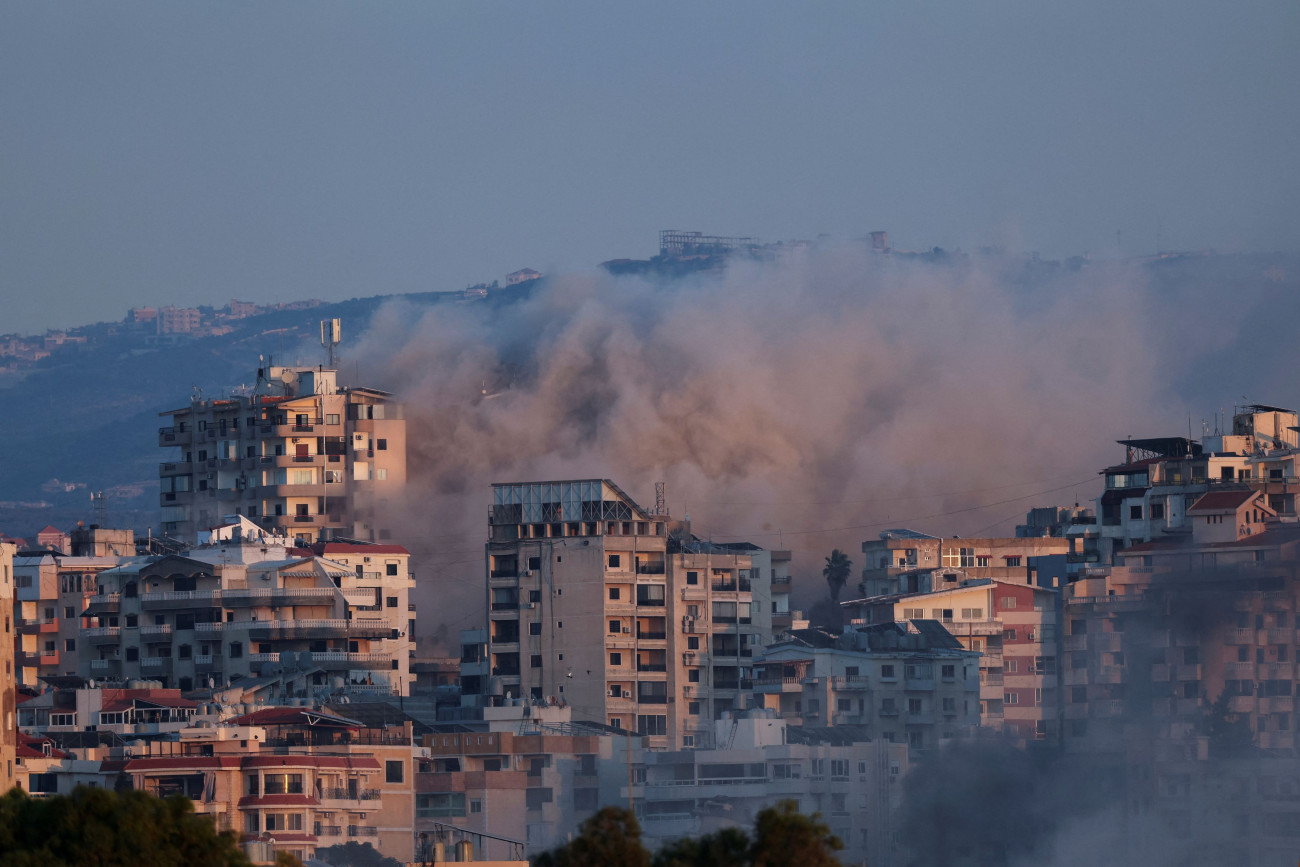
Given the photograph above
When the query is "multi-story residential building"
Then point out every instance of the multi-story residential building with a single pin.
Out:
(522, 780)
(301, 456)
(1146, 498)
(617, 612)
(909, 683)
(52, 590)
(905, 561)
(759, 761)
(1014, 628)
(289, 779)
(246, 608)
(1187, 622)
(8, 680)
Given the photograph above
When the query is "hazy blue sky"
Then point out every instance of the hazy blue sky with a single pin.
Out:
(191, 153)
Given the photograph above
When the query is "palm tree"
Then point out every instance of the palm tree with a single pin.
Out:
(836, 573)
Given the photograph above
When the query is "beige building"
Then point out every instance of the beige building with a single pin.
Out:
(521, 781)
(8, 678)
(617, 612)
(248, 608)
(51, 593)
(301, 457)
(905, 561)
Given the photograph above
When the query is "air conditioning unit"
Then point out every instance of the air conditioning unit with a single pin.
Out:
(626, 694)
(529, 605)
(527, 573)
(627, 630)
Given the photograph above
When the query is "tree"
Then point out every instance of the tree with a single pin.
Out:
(784, 837)
(837, 571)
(726, 848)
(354, 854)
(111, 829)
(610, 837)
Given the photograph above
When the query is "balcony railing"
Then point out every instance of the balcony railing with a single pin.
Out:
(341, 794)
(651, 636)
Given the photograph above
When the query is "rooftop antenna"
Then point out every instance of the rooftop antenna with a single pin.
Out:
(97, 504)
(331, 335)
(661, 505)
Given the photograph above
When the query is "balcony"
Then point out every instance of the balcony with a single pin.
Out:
(155, 665)
(180, 599)
(277, 630)
(158, 633)
(36, 625)
(850, 683)
(206, 663)
(105, 665)
(171, 436)
(349, 798)
(35, 658)
(103, 603)
(655, 567)
(102, 634)
(648, 635)
(652, 666)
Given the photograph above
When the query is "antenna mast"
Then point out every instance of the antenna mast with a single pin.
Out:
(331, 335)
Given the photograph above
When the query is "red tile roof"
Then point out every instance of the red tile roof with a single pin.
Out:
(1222, 501)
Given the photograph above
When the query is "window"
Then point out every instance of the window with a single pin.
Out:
(1010, 698)
(440, 805)
(69, 613)
(652, 724)
(693, 708)
(535, 661)
(282, 784)
(381, 445)
(950, 705)
(132, 654)
(948, 672)
(615, 659)
(1157, 511)
(236, 650)
(613, 594)
(69, 644)
(331, 418)
(476, 805)
(535, 628)
(1009, 635)
(1135, 513)
(692, 577)
(615, 561)
(615, 627)
(913, 613)
(887, 671)
(693, 643)
(914, 706)
(394, 771)
(693, 675)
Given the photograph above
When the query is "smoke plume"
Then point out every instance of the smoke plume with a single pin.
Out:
(801, 403)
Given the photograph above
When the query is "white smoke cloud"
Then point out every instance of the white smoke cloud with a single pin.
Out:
(830, 389)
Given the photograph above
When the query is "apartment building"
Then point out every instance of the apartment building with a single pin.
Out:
(909, 683)
(300, 456)
(758, 761)
(1197, 623)
(52, 591)
(245, 608)
(522, 781)
(8, 681)
(1147, 496)
(905, 561)
(618, 612)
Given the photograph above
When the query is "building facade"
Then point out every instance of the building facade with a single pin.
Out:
(301, 457)
(619, 613)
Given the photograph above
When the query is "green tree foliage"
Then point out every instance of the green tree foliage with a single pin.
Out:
(610, 837)
(726, 848)
(837, 571)
(354, 854)
(784, 837)
(107, 829)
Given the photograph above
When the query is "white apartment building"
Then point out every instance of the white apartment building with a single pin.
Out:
(246, 608)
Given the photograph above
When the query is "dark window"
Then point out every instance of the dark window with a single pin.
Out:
(390, 568)
(392, 601)
(692, 577)
(1135, 513)
(69, 644)
(616, 659)
(382, 445)
(393, 771)
(614, 560)
(535, 661)
(132, 654)
(615, 627)
(535, 629)
(236, 650)
(613, 593)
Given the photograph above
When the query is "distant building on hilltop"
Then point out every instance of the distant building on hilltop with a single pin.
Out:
(523, 275)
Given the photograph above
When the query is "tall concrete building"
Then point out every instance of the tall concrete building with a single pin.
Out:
(614, 610)
(300, 456)
(8, 682)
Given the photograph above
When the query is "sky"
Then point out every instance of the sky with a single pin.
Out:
(156, 153)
